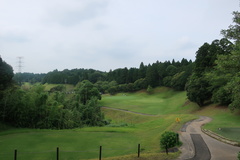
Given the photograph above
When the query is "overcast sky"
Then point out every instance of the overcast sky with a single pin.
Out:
(107, 34)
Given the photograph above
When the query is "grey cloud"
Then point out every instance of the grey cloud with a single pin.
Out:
(107, 34)
(76, 15)
(187, 46)
(13, 38)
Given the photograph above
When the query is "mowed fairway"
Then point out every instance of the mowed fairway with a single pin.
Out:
(163, 101)
(73, 144)
(118, 139)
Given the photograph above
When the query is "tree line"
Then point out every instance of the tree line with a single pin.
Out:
(169, 73)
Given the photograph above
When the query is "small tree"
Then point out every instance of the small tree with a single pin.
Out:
(149, 89)
(168, 140)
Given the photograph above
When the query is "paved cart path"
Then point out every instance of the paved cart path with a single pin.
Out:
(206, 147)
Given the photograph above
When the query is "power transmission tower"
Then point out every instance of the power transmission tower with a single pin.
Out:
(19, 66)
(19, 62)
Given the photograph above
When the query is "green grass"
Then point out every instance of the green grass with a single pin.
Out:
(231, 133)
(84, 143)
(163, 101)
(73, 144)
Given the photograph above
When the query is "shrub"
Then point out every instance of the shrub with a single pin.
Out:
(169, 139)
(149, 89)
(238, 155)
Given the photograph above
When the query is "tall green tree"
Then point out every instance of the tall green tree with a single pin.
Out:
(87, 91)
(197, 89)
(142, 71)
(226, 78)
(152, 77)
(232, 32)
(6, 74)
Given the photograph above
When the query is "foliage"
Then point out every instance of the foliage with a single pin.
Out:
(171, 74)
(35, 108)
(204, 83)
(216, 74)
(152, 75)
(73, 76)
(197, 89)
(168, 140)
(149, 89)
(28, 77)
(139, 84)
(233, 31)
(59, 88)
(87, 91)
(238, 155)
(6, 74)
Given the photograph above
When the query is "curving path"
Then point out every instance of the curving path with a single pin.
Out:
(206, 147)
(144, 114)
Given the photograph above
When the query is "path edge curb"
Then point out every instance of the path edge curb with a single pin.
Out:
(220, 138)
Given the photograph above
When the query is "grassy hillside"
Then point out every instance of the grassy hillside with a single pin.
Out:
(163, 101)
(120, 139)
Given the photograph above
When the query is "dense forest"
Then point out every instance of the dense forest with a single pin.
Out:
(214, 77)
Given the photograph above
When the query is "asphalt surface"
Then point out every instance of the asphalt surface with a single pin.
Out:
(201, 149)
(197, 144)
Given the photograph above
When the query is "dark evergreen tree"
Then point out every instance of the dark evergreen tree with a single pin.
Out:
(152, 77)
(142, 71)
(6, 74)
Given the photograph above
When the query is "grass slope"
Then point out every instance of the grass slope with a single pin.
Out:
(163, 101)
